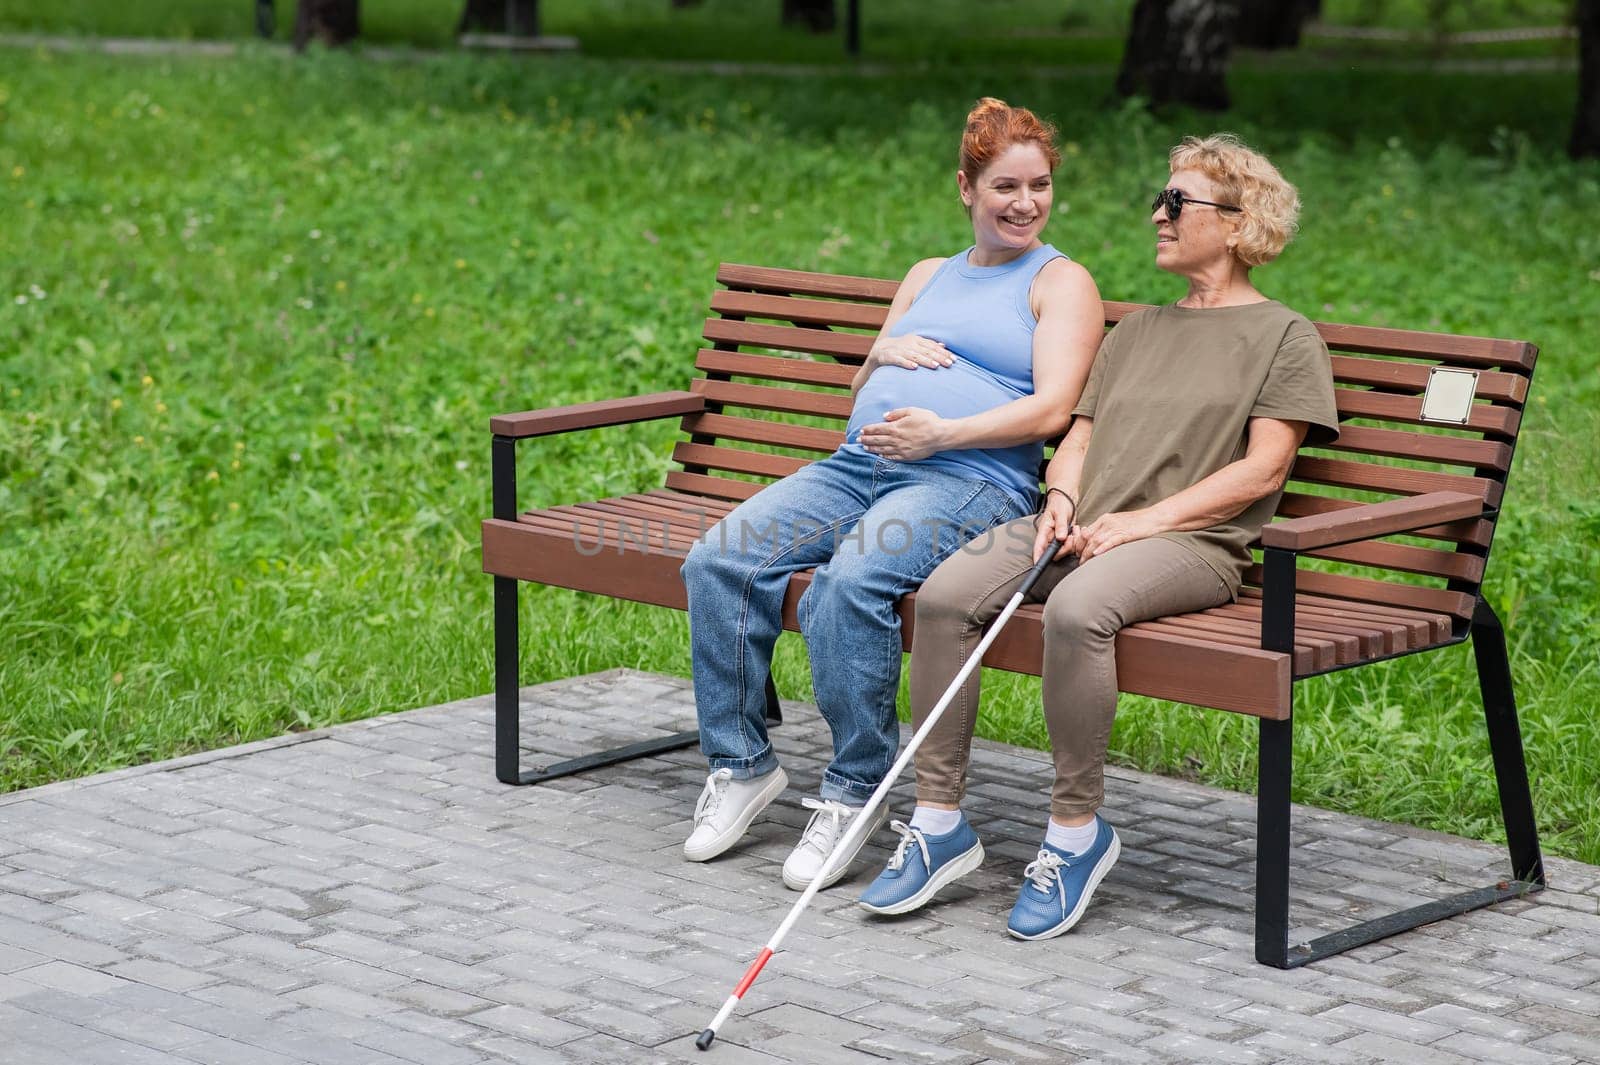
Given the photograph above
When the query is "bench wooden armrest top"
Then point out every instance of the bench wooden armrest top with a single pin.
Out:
(551, 420)
(1371, 520)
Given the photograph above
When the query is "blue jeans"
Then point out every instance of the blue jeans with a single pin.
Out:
(874, 530)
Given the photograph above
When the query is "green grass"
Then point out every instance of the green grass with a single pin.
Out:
(254, 317)
(999, 33)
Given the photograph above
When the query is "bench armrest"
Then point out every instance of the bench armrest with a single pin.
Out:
(1371, 520)
(552, 420)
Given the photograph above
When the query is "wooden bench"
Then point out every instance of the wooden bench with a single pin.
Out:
(773, 393)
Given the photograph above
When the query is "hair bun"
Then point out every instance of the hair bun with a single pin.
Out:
(986, 106)
(994, 125)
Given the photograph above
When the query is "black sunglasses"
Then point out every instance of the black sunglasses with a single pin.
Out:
(1174, 199)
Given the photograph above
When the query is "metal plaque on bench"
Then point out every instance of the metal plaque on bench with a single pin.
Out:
(1449, 395)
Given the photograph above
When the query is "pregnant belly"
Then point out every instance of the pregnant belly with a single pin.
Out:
(953, 391)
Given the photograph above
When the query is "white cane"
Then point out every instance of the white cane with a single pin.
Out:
(862, 819)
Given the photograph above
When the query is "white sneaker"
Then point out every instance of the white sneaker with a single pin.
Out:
(725, 809)
(824, 831)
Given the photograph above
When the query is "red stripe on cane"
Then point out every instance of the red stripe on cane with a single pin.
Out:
(750, 974)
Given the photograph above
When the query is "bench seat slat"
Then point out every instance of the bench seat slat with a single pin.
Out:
(1438, 625)
(1311, 654)
(1371, 640)
(664, 525)
(1393, 635)
(684, 499)
(1347, 646)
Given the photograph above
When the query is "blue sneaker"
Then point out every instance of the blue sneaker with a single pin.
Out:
(921, 865)
(1057, 886)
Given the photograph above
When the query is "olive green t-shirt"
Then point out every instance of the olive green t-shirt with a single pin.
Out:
(1171, 394)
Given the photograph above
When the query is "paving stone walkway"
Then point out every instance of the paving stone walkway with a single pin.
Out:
(369, 895)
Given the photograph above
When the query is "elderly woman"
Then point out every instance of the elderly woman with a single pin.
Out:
(1179, 448)
(981, 356)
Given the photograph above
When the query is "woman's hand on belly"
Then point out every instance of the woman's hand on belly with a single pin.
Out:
(909, 351)
(906, 435)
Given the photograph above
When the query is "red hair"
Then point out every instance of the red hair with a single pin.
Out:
(993, 126)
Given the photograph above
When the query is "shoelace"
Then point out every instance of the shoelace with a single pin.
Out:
(908, 835)
(826, 824)
(711, 796)
(1042, 872)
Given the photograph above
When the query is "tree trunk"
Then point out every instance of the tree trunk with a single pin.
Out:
(266, 20)
(1586, 123)
(517, 18)
(1273, 24)
(818, 16)
(1178, 52)
(333, 22)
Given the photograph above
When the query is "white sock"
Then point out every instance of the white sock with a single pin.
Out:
(934, 822)
(1073, 840)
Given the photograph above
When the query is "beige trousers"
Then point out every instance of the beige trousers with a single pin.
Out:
(1084, 607)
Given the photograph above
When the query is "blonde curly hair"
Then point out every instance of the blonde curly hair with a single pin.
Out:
(1269, 206)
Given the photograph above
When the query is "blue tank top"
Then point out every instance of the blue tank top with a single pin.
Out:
(982, 315)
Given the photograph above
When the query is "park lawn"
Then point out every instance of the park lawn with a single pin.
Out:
(254, 318)
(925, 33)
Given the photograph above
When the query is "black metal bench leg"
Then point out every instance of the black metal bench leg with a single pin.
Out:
(508, 716)
(1272, 866)
(507, 682)
(1274, 772)
(1505, 745)
(507, 689)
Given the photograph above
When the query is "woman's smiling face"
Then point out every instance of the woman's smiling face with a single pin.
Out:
(1199, 238)
(1009, 199)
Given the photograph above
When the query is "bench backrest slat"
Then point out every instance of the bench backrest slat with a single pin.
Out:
(1446, 450)
(774, 368)
(852, 346)
(716, 487)
(1475, 531)
(1498, 421)
(1395, 480)
(786, 344)
(731, 304)
(736, 460)
(1407, 559)
(803, 283)
(756, 431)
(1411, 378)
(769, 398)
